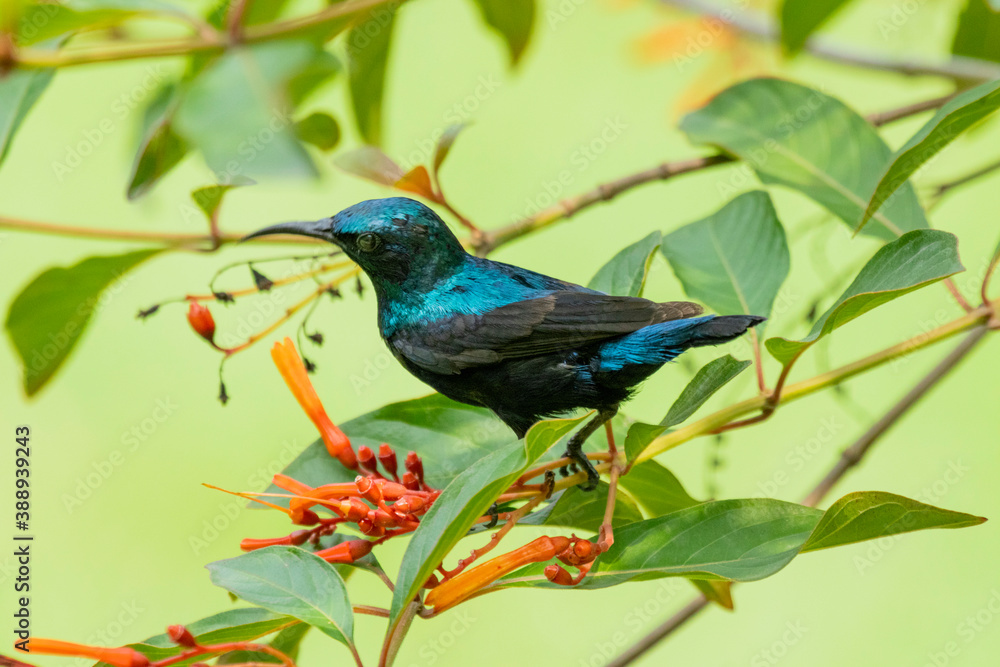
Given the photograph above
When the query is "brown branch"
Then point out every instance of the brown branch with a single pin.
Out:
(851, 457)
(759, 25)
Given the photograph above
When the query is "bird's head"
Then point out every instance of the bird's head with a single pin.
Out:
(393, 240)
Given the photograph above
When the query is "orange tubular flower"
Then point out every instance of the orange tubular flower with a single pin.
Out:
(289, 364)
(463, 586)
(346, 552)
(119, 657)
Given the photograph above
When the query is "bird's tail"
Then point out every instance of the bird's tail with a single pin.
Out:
(715, 330)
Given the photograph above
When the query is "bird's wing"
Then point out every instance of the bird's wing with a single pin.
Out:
(558, 321)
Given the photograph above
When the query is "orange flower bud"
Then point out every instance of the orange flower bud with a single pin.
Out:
(455, 590)
(290, 365)
(558, 575)
(410, 481)
(119, 657)
(380, 517)
(583, 548)
(409, 504)
(200, 319)
(353, 509)
(346, 552)
(307, 518)
(181, 636)
(391, 490)
(368, 527)
(366, 457)
(368, 488)
(388, 458)
(295, 539)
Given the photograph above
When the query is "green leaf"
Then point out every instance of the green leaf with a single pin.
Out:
(797, 137)
(161, 148)
(738, 540)
(746, 539)
(867, 515)
(287, 641)
(719, 592)
(954, 118)
(584, 510)
(319, 129)
(43, 21)
(978, 32)
(19, 90)
(321, 68)
(47, 318)
(444, 144)
(916, 259)
(463, 501)
(625, 274)
(735, 260)
(801, 18)
(209, 198)
(236, 113)
(233, 625)
(712, 377)
(368, 55)
(638, 438)
(512, 20)
(656, 489)
(287, 580)
(449, 436)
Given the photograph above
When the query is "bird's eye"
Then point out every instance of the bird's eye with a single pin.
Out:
(368, 242)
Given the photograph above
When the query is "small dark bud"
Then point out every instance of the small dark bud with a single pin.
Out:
(310, 366)
(359, 286)
(223, 396)
(262, 282)
(333, 292)
(315, 337)
(223, 297)
(143, 314)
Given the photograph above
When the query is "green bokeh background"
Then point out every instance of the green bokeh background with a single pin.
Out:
(128, 559)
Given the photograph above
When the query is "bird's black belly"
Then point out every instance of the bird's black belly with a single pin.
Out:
(523, 391)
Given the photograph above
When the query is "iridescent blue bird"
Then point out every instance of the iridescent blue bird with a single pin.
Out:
(520, 343)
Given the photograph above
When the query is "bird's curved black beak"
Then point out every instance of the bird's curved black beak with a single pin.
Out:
(320, 229)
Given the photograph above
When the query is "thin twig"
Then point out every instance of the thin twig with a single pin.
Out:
(849, 459)
(761, 26)
(42, 58)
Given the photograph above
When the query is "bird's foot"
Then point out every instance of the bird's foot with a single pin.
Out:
(580, 460)
(494, 513)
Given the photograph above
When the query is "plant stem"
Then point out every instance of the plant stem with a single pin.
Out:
(35, 58)
(849, 459)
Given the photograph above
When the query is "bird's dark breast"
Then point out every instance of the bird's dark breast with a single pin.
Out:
(523, 391)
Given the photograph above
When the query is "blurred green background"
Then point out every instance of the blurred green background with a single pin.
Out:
(120, 555)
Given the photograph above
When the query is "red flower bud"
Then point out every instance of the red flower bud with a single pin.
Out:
(200, 319)
(388, 458)
(366, 458)
(415, 465)
(368, 527)
(583, 548)
(296, 538)
(181, 636)
(410, 481)
(380, 517)
(409, 504)
(558, 575)
(346, 552)
(308, 518)
(432, 581)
